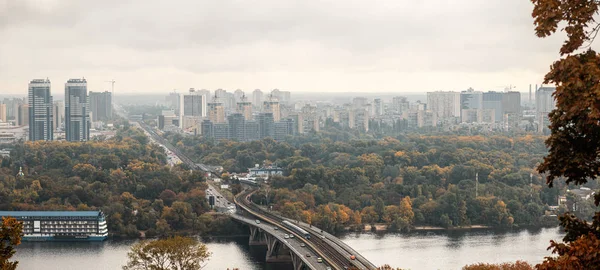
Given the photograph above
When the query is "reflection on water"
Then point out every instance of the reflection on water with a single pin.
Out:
(454, 249)
(418, 250)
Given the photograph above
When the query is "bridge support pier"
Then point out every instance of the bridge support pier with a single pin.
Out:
(257, 236)
(297, 261)
(276, 251)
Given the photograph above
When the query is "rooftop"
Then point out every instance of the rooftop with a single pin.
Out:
(49, 213)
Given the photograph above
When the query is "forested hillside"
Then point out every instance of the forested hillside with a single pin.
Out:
(125, 176)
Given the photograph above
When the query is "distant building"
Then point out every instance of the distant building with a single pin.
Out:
(194, 104)
(257, 98)
(3, 113)
(221, 131)
(493, 100)
(272, 106)
(239, 95)
(400, 105)
(173, 101)
(444, 104)
(100, 106)
(216, 112)
(167, 118)
(61, 225)
(77, 115)
(309, 118)
(266, 125)
(23, 115)
(544, 104)
(237, 127)
(245, 108)
(252, 130)
(285, 127)
(41, 119)
(378, 106)
(471, 99)
(58, 111)
(265, 172)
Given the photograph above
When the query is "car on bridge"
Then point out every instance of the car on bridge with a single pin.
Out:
(257, 221)
(320, 260)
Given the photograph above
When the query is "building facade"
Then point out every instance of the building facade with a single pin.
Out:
(77, 115)
(3, 113)
(41, 111)
(444, 105)
(194, 104)
(100, 106)
(61, 225)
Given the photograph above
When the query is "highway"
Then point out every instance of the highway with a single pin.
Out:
(327, 246)
(336, 256)
(295, 244)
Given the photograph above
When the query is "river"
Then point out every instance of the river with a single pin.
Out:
(422, 250)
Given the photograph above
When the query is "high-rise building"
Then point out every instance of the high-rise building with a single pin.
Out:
(59, 114)
(544, 104)
(272, 106)
(238, 95)
(41, 124)
(361, 119)
(237, 129)
(359, 102)
(471, 99)
(245, 108)
(206, 128)
(77, 115)
(194, 104)
(100, 106)
(284, 128)
(444, 105)
(23, 115)
(3, 113)
(400, 105)
(266, 125)
(378, 106)
(216, 112)
(310, 119)
(257, 98)
(511, 102)
(493, 101)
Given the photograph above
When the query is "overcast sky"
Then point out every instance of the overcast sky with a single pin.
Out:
(305, 45)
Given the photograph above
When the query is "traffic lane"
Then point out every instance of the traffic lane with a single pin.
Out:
(293, 244)
(327, 238)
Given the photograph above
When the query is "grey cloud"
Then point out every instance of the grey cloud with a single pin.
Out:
(265, 36)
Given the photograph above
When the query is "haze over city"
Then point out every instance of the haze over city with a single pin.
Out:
(300, 46)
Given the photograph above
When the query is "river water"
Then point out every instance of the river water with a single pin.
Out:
(422, 250)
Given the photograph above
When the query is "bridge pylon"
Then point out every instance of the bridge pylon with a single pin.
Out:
(257, 237)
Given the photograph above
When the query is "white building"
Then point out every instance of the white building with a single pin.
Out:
(444, 104)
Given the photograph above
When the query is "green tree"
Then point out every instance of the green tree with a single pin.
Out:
(176, 253)
(10, 237)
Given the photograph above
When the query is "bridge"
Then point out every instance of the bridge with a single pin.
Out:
(336, 254)
(270, 231)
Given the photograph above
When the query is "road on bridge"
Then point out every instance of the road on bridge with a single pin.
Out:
(329, 247)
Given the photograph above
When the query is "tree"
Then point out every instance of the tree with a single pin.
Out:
(176, 253)
(574, 142)
(10, 237)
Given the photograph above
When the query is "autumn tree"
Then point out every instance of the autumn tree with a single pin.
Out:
(10, 237)
(176, 253)
(574, 142)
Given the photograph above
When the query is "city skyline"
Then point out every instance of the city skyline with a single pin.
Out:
(296, 46)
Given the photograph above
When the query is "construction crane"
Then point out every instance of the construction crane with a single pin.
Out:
(112, 87)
